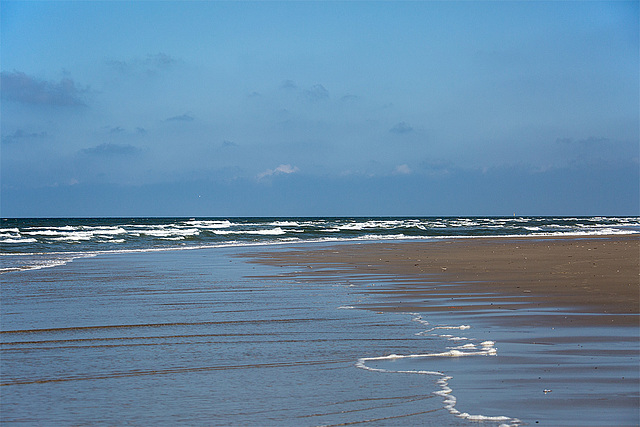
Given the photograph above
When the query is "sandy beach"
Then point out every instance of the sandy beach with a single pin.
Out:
(589, 275)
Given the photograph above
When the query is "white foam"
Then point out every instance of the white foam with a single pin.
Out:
(445, 327)
(171, 232)
(285, 224)
(449, 400)
(109, 231)
(61, 258)
(483, 417)
(75, 236)
(371, 224)
(9, 230)
(46, 232)
(270, 232)
(463, 222)
(21, 240)
(466, 347)
(63, 228)
(210, 224)
(74, 233)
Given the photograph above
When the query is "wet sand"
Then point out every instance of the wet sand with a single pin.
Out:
(595, 275)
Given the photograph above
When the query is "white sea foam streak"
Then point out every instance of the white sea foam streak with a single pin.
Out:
(485, 348)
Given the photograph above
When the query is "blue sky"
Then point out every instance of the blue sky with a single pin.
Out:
(319, 108)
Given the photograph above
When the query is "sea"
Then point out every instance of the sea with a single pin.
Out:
(167, 321)
(43, 242)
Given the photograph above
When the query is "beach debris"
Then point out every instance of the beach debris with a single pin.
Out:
(546, 390)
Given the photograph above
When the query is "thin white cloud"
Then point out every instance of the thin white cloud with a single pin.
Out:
(403, 169)
(282, 169)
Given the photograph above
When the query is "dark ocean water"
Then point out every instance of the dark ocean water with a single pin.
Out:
(37, 243)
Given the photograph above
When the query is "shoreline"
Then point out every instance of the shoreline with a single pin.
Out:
(563, 314)
(594, 276)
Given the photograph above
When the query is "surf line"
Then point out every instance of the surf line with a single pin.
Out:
(485, 348)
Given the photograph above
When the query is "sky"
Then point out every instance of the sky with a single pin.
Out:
(420, 108)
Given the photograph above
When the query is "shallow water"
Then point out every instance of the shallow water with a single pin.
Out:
(203, 337)
(187, 337)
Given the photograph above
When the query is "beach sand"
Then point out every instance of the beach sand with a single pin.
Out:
(564, 313)
(595, 275)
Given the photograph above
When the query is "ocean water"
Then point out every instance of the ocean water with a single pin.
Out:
(114, 322)
(38, 243)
